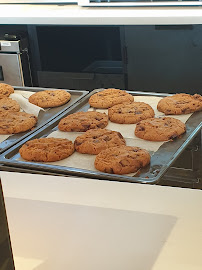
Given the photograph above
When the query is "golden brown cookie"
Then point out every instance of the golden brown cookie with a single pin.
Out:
(16, 122)
(180, 104)
(95, 140)
(5, 90)
(50, 98)
(83, 121)
(8, 104)
(122, 160)
(130, 113)
(109, 97)
(160, 129)
(47, 149)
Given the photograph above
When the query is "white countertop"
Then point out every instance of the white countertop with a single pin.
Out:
(70, 223)
(76, 15)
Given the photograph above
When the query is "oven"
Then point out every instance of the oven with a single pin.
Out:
(77, 57)
(14, 63)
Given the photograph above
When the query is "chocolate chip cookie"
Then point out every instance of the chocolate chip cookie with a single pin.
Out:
(109, 97)
(95, 140)
(130, 113)
(47, 149)
(5, 90)
(122, 160)
(83, 121)
(180, 104)
(16, 122)
(160, 129)
(8, 104)
(50, 98)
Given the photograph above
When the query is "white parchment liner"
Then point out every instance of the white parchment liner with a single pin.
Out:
(85, 161)
(25, 106)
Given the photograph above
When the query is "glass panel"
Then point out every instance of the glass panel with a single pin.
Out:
(80, 49)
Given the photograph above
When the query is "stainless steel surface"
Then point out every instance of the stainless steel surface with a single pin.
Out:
(24, 170)
(11, 69)
(160, 160)
(44, 117)
(11, 63)
(10, 46)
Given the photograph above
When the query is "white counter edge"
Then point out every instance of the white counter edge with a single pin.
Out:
(76, 15)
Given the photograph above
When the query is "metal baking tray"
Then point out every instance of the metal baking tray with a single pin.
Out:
(161, 160)
(44, 116)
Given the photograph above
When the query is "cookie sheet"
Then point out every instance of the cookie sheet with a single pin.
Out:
(25, 106)
(86, 162)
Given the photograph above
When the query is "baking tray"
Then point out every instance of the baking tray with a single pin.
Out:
(44, 116)
(161, 160)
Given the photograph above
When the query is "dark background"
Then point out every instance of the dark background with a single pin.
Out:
(146, 58)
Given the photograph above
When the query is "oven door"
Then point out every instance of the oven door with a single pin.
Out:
(11, 69)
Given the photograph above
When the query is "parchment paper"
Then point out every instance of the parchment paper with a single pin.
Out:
(25, 106)
(76, 160)
(127, 130)
(22, 97)
(85, 161)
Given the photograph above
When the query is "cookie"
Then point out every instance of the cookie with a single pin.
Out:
(83, 121)
(50, 98)
(95, 140)
(5, 90)
(47, 149)
(8, 104)
(180, 104)
(159, 129)
(109, 97)
(122, 160)
(130, 113)
(16, 122)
